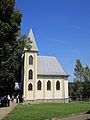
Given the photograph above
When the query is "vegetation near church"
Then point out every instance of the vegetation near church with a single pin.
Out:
(11, 45)
(45, 111)
(81, 87)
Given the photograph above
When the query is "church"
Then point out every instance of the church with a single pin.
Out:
(44, 79)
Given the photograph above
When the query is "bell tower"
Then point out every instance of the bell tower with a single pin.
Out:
(30, 69)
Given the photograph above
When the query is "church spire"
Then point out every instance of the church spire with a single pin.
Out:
(34, 45)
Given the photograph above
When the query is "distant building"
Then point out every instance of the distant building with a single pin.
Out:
(44, 79)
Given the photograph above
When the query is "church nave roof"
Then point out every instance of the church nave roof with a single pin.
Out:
(49, 65)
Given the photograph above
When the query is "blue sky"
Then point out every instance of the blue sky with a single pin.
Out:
(61, 29)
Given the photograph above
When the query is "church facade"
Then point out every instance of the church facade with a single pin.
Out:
(44, 79)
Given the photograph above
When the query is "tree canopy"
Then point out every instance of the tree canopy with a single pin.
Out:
(81, 87)
(11, 45)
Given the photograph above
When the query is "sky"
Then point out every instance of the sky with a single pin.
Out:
(61, 29)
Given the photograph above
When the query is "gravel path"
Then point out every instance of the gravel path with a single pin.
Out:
(5, 110)
(81, 116)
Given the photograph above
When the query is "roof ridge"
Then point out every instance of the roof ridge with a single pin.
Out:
(46, 56)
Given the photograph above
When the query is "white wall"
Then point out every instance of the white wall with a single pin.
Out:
(66, 88)
(58, 93)
(43, 93)
(39, 93)
(50, 94)
(30, 95)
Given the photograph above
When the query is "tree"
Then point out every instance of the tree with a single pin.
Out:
(72, 93)
(78, 88)
(78, 71)
(78, 80)
(11, 47)
(81, 86)
(86, 75)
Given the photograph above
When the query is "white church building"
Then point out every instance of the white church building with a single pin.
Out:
(44, 79)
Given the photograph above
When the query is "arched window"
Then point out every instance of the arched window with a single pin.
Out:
(31, 60)
(30, 74)
(30, 86)
(57, 85)
(48, 85)
(39, 85)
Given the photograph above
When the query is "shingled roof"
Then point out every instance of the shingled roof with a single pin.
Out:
(48, 65)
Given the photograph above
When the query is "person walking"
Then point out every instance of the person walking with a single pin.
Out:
(2, 101)
(5, 101)
(22, 98)
(17, 99)
(8, 97)
(12, 98)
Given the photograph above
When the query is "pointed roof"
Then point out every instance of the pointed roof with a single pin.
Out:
(34, 45)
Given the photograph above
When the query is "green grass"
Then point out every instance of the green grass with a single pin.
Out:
(47, 110)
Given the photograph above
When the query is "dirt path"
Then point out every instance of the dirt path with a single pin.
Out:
(5, 110)
(81, 116)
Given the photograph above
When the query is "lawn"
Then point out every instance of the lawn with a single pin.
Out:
(47, 110)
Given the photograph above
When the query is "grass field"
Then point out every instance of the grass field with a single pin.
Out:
(47, 110)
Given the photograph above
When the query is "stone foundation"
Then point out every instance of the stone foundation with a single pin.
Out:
(48, 101)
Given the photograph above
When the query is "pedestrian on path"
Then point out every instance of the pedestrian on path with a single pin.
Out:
(2, 101)
(17, 99)
(8, 97)
(12, 98)
(22, 98)
(6, 101)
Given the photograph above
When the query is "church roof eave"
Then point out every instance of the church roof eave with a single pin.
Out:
(53, 75)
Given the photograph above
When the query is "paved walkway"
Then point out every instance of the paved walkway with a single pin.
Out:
(5, 110)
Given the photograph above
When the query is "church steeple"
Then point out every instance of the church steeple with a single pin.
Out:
(34, 45)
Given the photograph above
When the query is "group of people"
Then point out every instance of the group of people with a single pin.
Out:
(5, 101)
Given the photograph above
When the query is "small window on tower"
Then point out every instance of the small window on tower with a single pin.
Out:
(30, 74)
(30, 60)
(30, 87)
